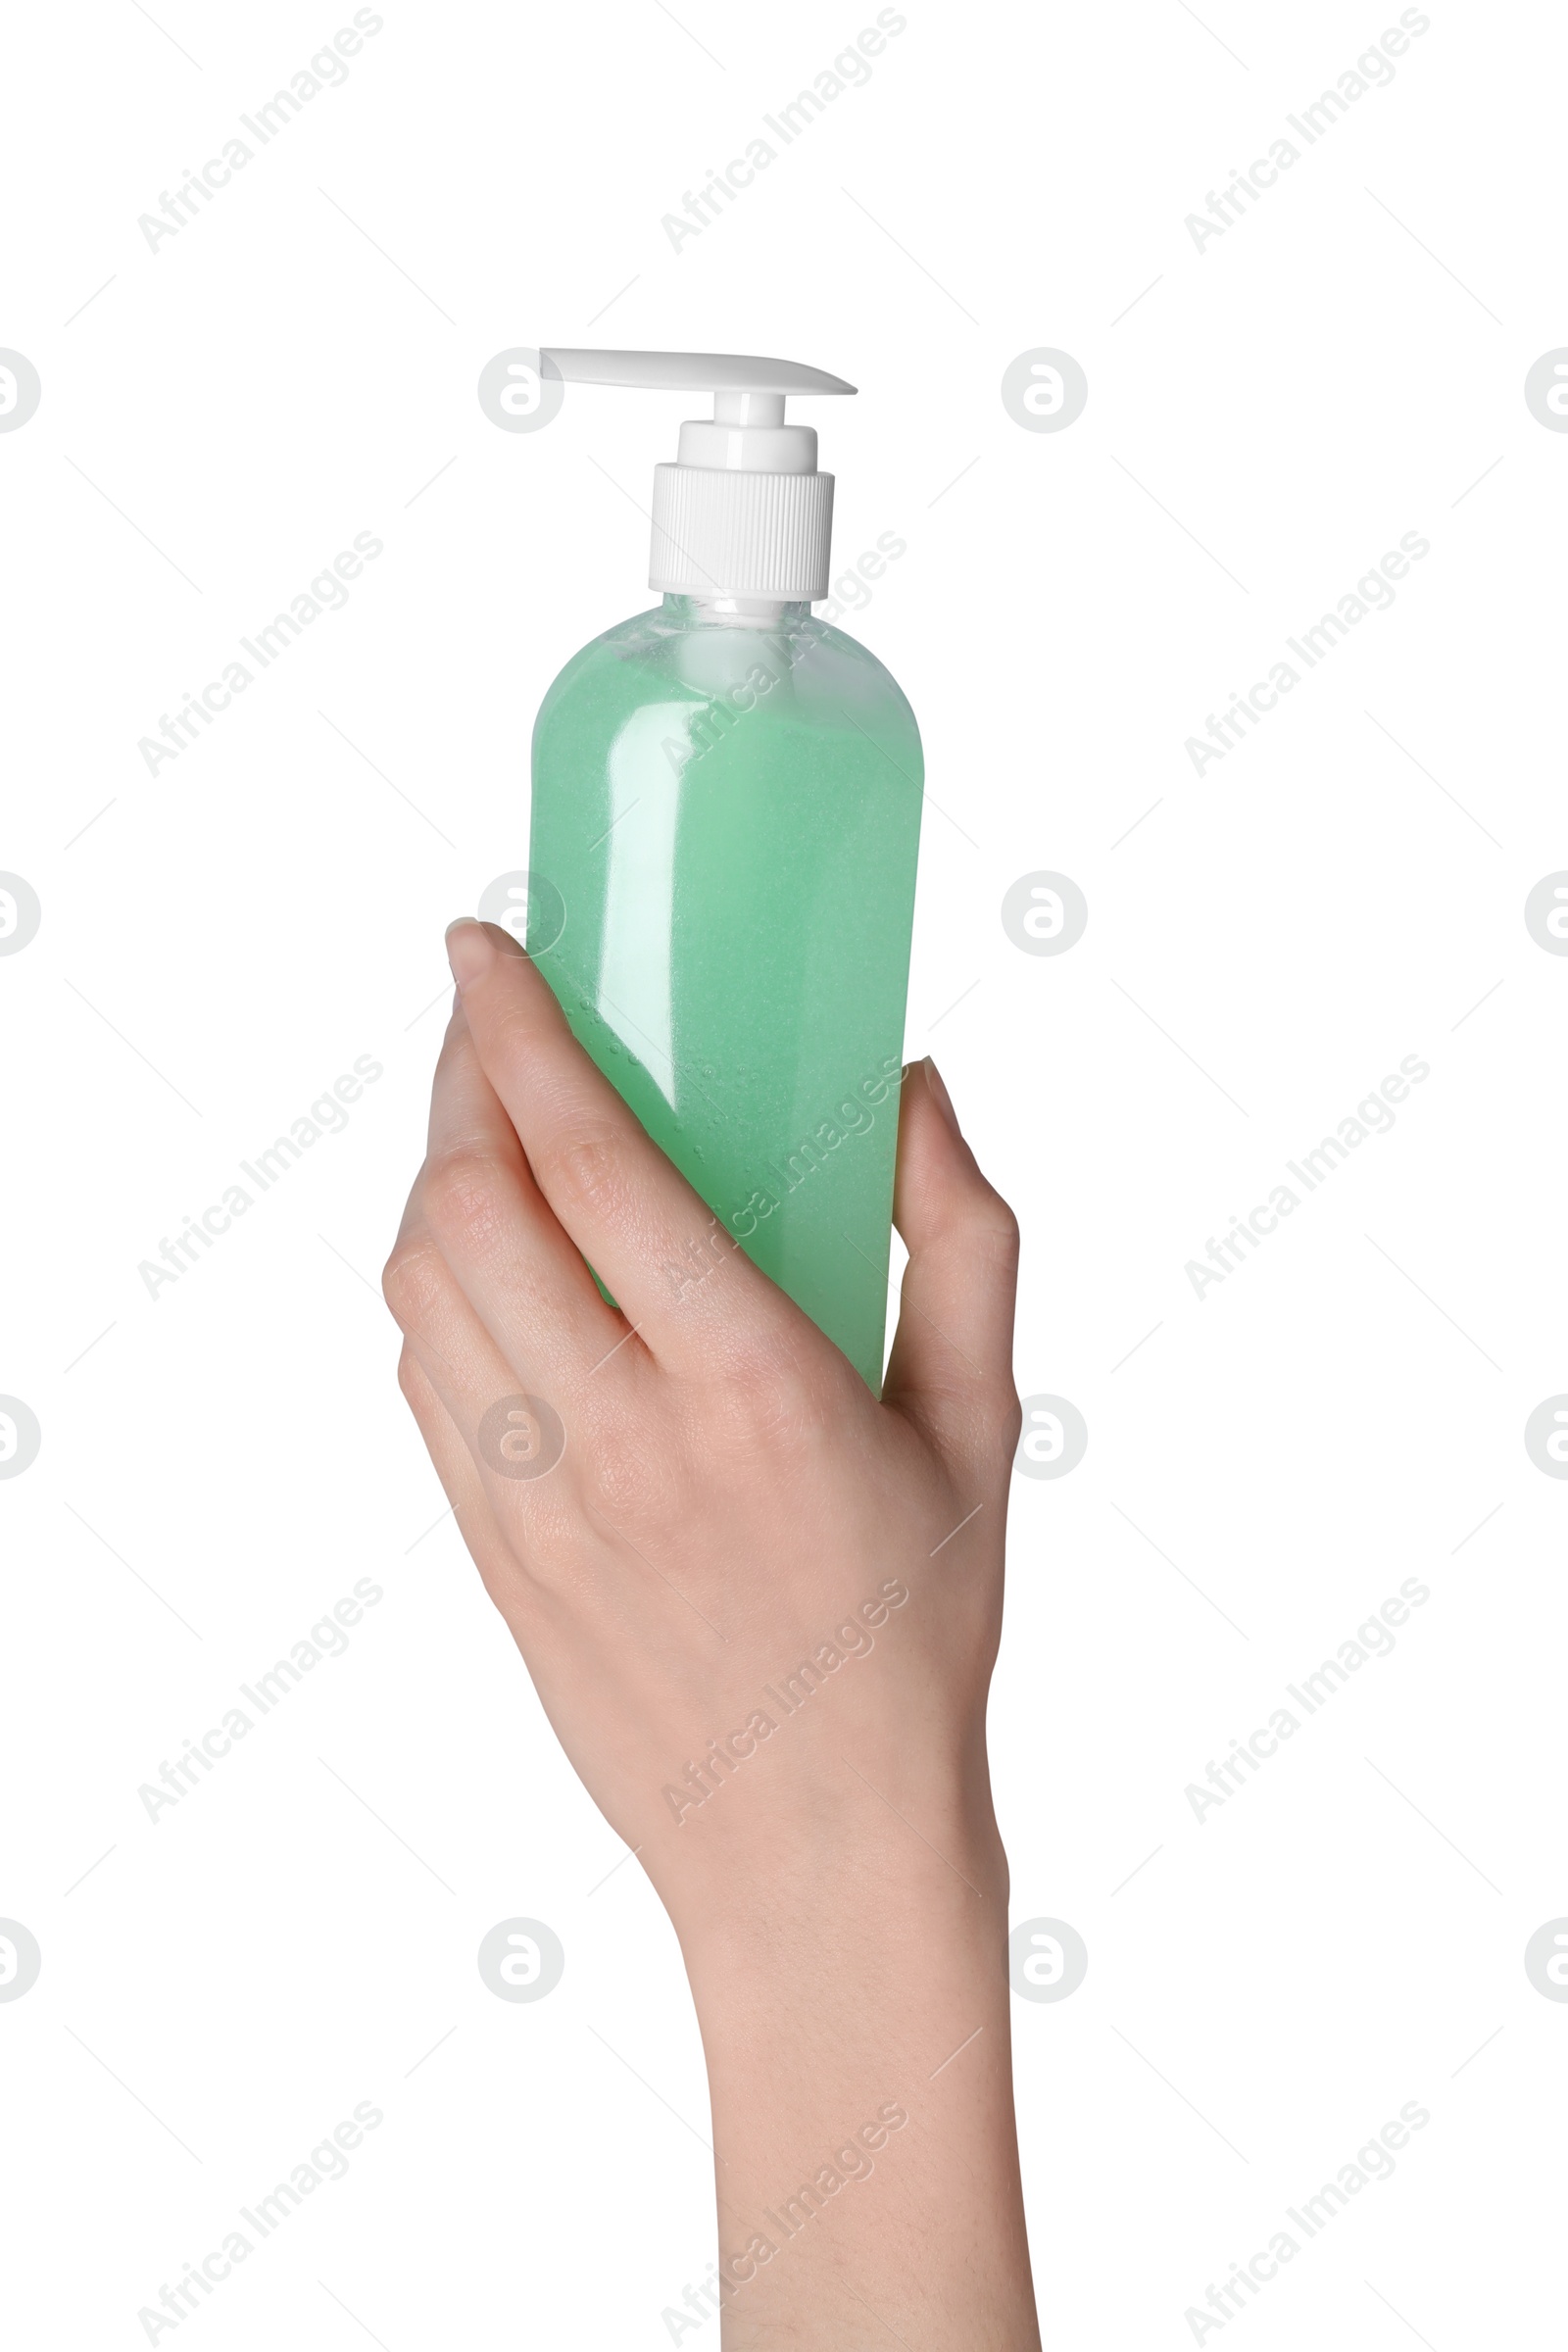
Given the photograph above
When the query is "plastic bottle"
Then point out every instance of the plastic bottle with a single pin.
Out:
(726, 815)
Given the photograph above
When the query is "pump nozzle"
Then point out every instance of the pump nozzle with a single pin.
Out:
(743, 513)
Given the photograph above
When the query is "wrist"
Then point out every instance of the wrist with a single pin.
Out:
(842, 1851)
(857, 2043)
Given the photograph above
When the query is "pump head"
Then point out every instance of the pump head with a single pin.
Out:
(743, 511)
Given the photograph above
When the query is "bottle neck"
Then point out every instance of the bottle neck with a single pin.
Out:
(734, 611)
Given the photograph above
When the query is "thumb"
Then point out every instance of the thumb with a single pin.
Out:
(951, 1368)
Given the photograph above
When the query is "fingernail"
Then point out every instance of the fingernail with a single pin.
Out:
(943, 1100)
(471, 951)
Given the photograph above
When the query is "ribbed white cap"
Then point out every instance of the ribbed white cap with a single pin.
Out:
(736, 533)
(744, 512)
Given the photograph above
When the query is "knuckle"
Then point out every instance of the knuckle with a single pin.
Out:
(974, 1217)
(583, 1168)
(988, 1411)
(1001, 1239)
(412, 1282)
(977, 1424)
(548, 1541)
(771, 1402)
(462, 1200)
(990, 1225)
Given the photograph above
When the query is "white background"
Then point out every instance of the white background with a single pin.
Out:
(298, 365)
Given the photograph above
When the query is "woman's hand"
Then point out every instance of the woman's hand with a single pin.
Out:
(761, 1610)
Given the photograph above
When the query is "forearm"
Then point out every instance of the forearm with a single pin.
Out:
(857, 2031)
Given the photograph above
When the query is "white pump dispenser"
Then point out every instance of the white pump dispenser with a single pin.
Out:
(742, 513)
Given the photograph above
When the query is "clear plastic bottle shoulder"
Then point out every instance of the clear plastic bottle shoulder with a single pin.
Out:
(796, 661)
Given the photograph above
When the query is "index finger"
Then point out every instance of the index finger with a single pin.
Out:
(677, 1276)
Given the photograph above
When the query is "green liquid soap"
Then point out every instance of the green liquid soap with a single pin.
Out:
(721, 888)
